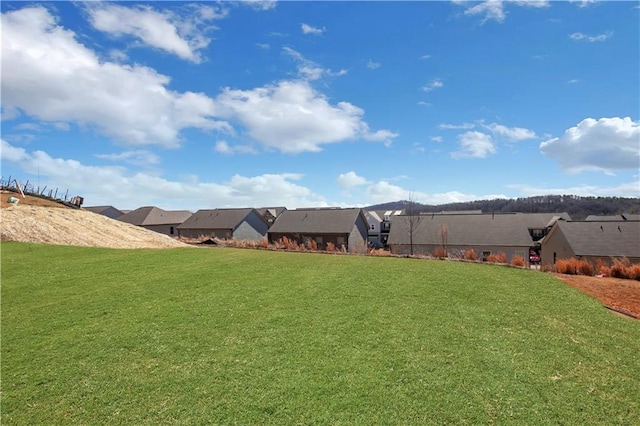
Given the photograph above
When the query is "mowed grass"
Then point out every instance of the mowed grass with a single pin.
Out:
(232, 336)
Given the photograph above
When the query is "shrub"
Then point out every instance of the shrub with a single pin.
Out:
(620, 268)
(439, 252)
(602, 269)
(312, 245)
(330, 247)
(380, 252)
(264, 243)
(518, 261)
(634, 272)
(497, 258)
(470, 254)
(574, 266)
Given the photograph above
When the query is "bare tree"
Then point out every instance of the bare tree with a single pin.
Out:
(413, 217)
(444, 238)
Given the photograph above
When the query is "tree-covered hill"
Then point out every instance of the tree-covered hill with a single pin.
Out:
(577, 206)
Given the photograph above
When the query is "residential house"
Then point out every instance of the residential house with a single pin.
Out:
(270, 214)
(108, 211)
(385, 226)
(616, 217)
(341, 227)
(509, 233)
(244, 224)
(156, 219)
(592, 240)
(375, 224)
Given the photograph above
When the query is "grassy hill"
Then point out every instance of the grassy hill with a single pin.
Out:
(225, 336)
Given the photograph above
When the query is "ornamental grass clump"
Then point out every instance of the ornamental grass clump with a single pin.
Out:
(439, 252)
(573, 266)
(470, 254)
(518, 261)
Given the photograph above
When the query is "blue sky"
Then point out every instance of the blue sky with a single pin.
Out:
(233, 104)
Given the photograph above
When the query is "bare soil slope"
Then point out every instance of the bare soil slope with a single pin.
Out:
(64, 226)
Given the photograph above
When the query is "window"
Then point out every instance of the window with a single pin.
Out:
(171, 230)
(319, 240)
(340, 241)
(485, 255)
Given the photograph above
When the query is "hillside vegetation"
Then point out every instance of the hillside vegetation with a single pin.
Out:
(197, 336)
(577, 207)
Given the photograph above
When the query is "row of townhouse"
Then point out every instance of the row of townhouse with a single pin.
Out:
(537, 237)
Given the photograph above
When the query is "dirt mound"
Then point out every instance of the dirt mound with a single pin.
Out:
(29, 200)
(63, 226)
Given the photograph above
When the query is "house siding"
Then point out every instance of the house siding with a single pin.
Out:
(457, 251)
(555, 246)
(223, 234)
(357, 242)
(253, 228)
(163, 229)
(336, 239)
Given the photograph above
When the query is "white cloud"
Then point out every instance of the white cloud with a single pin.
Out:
(631, 189)
(463, 126)
(136, 157)
(437, 139)
(350, 180)
(263, 46)
(605, 145)
(573, 81)
(495, 9)
(532, 3)
(584, 3)
(423, 57)
(383, 191)
(126, 190)
(292, 117)
(47, 74)
(474, 144)
(259, 5)
(491, 9)
(11, 153)
(600, 37)
(166, 30)
(308, 29)
(223, 147)
(434, 84)
(373, 65)
(308, 69)
(513, 133)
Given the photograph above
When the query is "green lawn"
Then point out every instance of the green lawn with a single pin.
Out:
(231, 336)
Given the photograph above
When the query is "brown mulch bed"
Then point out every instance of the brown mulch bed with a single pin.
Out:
(622, 296)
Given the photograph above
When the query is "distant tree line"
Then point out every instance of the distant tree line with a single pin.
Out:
(577, 206)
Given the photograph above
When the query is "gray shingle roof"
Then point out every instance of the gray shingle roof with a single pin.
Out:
(275, 211)
(149, 216)
(511, 229)
(102, 209)
(602, 238)
(624, 216)
(316, 221)
(216, 219)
